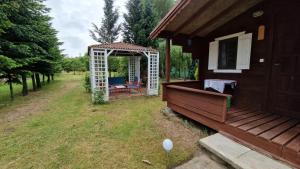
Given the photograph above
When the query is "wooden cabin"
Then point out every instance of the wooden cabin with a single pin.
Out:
(254, 43)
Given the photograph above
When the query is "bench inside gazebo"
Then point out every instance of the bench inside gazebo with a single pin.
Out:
(99, 55)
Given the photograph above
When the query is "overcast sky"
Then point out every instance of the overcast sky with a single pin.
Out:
(73, 18)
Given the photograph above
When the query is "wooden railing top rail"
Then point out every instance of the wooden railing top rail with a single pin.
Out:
(198, 91)
(181, 82)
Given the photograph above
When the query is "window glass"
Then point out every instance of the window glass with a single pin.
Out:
(227, 53)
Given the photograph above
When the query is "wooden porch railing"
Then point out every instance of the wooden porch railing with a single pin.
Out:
(190, 84)
(186, 95)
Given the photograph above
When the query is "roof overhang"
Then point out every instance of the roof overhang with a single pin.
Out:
(197, 18)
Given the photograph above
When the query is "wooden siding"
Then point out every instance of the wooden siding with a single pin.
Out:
(251, 82)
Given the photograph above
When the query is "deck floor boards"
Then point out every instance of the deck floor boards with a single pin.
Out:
(272, 134)
(258, 122)
(286, 136)
(249, 120)
(294, 144)
(279, 129)
(241, 117)
(239, 113)
(236, 110)
(267, 126)
(270, 131)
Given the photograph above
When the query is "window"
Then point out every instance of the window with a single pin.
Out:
(227, 53)
(231, 53)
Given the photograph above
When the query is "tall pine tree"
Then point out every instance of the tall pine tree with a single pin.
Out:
(149, 21)
(139, 22)
(162, 7)
(29, 41)
(109, 30)
(132, 24)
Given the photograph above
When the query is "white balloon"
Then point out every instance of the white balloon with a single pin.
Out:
(168, 145)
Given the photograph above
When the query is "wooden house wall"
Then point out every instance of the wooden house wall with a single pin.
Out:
(253, 84)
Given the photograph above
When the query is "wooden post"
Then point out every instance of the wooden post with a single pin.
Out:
(168, 59)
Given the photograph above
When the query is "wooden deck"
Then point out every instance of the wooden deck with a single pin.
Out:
(276, 135)
(271, 134)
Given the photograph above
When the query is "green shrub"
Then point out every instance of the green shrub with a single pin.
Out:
(98, 96)
(87, 83)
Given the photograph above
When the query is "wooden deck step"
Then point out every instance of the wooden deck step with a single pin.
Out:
(270, 134)
(267, 126)
(287, 136)
(258, 122)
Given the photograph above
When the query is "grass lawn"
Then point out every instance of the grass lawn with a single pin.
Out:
(58, 127)
(5, 93)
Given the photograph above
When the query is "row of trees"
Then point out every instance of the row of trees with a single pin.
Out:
(28, 43)
(81, 64)
(182, 65)
(77, 64)
(141, 17)
(139, 21)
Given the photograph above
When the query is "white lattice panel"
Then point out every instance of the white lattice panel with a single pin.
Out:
(131, 69)
(153, 71)
(99, 70)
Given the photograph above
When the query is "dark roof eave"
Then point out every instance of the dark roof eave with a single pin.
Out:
(169, 17)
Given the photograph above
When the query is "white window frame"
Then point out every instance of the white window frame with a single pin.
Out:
(230, 36)
(214, 66)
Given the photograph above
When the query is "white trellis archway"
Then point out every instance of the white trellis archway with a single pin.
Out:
(99, 65)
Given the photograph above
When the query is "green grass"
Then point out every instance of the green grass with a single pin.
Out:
(5, 93)
(72, 133)
(17, 90)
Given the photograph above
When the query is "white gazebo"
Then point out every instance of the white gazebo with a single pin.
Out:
(99, 65)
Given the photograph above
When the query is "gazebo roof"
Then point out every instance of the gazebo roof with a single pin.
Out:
(121, 46)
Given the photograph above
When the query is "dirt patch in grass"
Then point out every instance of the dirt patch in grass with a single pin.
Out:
(185, 131)
(35, 103)
(175, 130)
